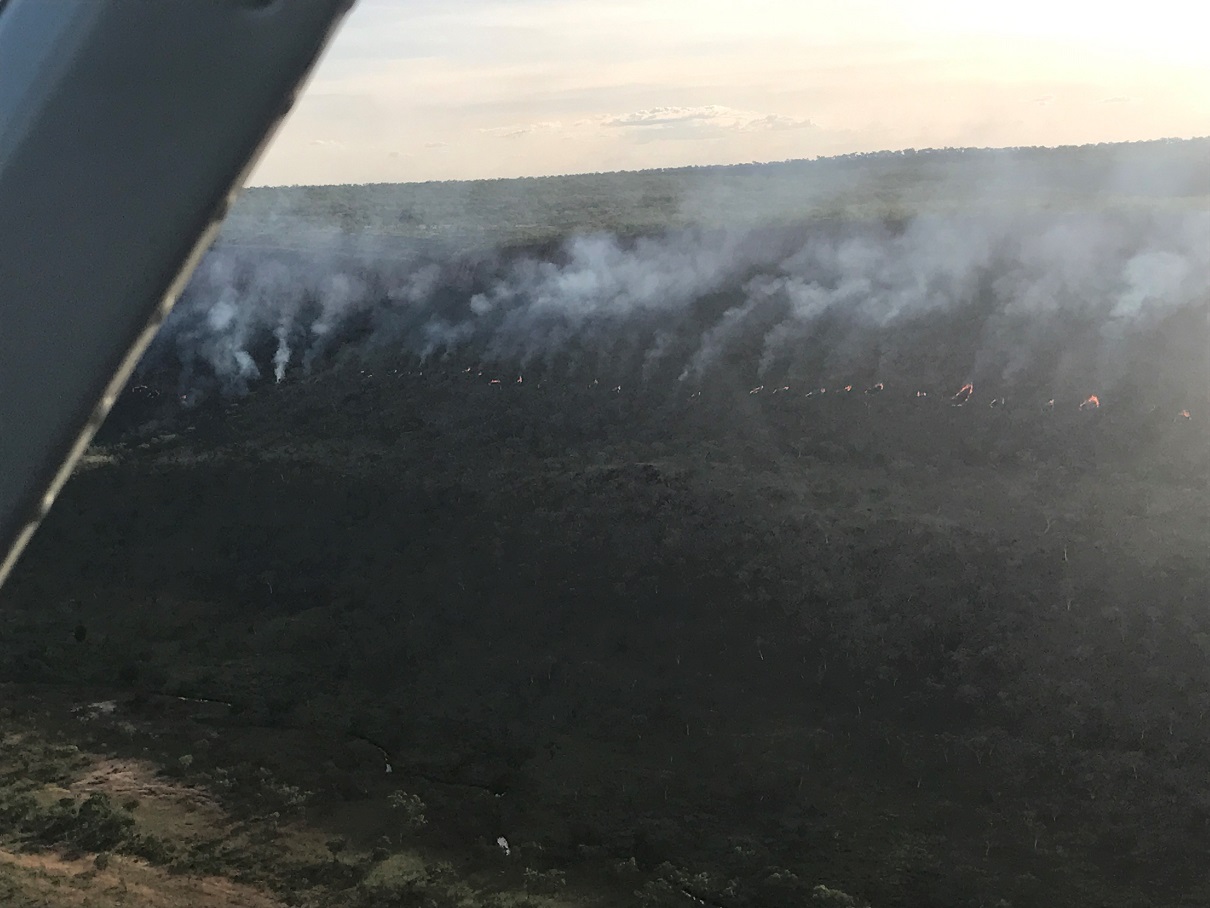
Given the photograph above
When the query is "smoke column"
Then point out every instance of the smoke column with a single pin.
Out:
(1079, 299)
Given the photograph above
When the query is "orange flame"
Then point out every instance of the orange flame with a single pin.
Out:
(1093, 403)
(963, 395)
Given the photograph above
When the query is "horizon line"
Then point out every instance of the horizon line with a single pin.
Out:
(887, 152)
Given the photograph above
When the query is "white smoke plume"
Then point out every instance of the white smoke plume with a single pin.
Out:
(1006, 298)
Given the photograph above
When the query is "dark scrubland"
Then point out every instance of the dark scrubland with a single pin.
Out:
(677, 642)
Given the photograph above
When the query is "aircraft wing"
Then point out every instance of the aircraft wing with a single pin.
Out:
(126, 127)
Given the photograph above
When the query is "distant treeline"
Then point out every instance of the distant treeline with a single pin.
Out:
(867, 185)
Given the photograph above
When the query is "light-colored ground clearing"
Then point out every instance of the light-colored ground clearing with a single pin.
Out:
(52, 878)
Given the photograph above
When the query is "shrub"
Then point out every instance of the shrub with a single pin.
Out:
(94, 825)
(409, 809)
(833, 898)
(547, 882)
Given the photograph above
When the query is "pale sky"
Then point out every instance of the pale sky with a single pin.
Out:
(461, 89)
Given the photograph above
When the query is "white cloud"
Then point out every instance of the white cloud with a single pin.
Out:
(515, 132)
(670, 122)
(777, 122)
(710, 117)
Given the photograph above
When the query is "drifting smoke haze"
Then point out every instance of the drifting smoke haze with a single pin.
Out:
(1024, 302)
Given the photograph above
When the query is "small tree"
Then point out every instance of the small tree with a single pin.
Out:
(409, 810)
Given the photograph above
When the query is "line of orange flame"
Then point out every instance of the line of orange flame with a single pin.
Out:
(1092, 402)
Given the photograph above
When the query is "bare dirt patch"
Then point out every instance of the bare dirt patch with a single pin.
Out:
(123, 779)
(65, 881)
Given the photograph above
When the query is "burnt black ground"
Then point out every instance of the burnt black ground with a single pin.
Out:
(926, 654)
